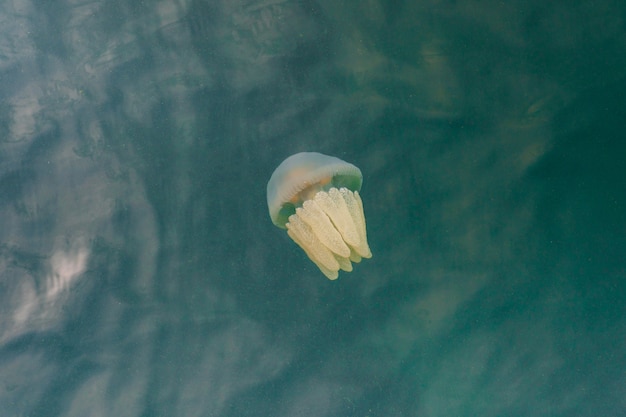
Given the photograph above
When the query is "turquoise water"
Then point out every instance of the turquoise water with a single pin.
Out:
(141, 275)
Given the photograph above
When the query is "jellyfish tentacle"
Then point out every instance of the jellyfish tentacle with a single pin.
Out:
(336, 208)
(355, 207)
(312, 214)
(302, 234)
(344, 263)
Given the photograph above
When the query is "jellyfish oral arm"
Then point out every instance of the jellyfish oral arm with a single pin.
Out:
(330, 229)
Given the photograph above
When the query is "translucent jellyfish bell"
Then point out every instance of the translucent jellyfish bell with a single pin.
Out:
(316, 198)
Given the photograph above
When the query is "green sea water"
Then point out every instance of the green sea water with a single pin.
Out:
(141, 274)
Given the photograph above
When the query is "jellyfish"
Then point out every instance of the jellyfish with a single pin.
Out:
(315, 197)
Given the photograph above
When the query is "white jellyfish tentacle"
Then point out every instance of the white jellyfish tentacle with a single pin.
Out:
(337, 210)
(331, 230)
(302, 234)
(355, 207)
(312, 214)
(344, 263)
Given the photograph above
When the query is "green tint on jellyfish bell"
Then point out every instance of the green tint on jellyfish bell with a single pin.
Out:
(316, 198)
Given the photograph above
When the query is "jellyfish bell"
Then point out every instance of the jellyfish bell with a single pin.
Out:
(316, 198)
